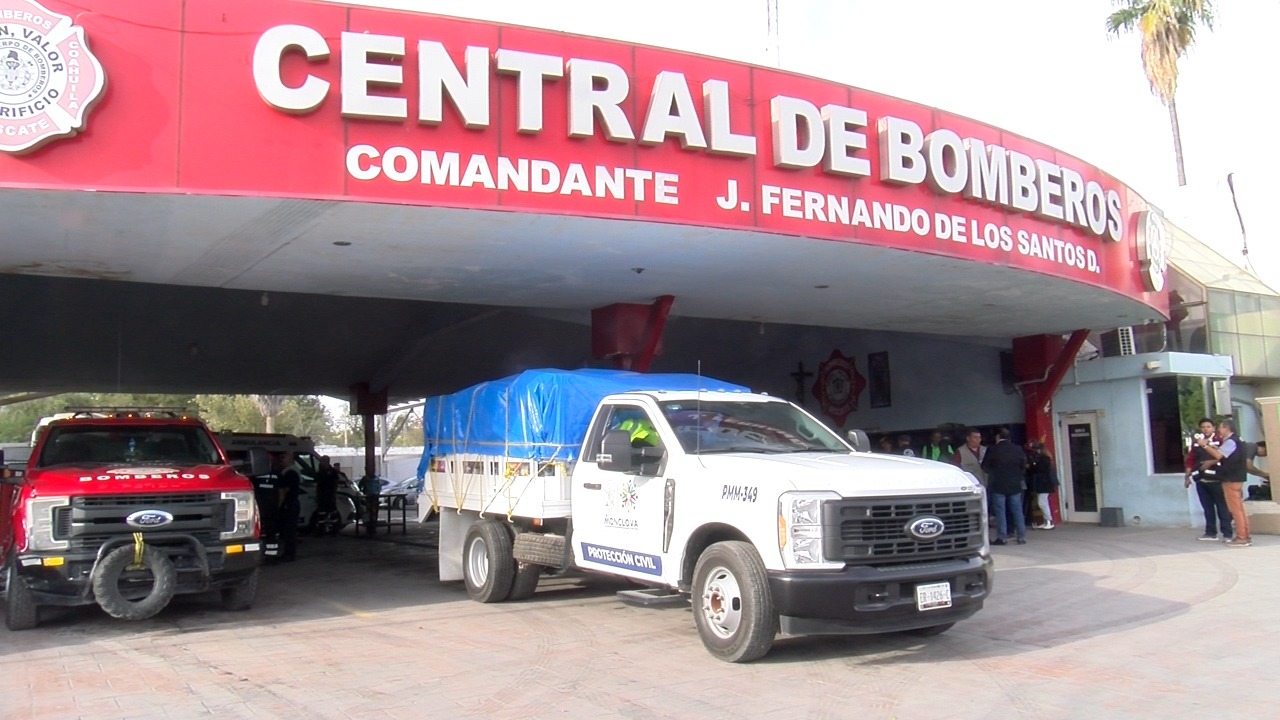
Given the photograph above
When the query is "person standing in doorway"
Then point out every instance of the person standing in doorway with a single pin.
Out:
(1230, 458)
(1006, 466)
(971, 455)
(1042, 479)
(1208, 488)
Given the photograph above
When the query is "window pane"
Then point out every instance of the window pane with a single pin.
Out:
(1221, 311)
(1248, 314)
(1183, 289)
(1225, 344)
(1271, 346)
(1252, 360)
(1188, 335)
(1165, 422)
(1270, 315)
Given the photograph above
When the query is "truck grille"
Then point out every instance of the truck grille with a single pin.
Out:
(873, 531)
(90, 520)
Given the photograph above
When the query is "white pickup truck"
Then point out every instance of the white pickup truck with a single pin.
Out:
(744, 503)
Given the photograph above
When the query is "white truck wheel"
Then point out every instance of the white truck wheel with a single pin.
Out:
(488, 568)
(732, 608)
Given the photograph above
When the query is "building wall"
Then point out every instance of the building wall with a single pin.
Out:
(934, 379)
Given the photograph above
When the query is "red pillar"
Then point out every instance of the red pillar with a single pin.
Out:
(1039, 364)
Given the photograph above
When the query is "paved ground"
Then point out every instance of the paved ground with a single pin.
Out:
(1085, 622)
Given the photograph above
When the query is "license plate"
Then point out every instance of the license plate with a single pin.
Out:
(933, 596)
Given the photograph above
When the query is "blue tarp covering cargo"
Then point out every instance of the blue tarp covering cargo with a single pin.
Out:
(538, 414)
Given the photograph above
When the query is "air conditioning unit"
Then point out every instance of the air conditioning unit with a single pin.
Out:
(1124, 337)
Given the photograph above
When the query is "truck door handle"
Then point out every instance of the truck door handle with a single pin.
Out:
(591, 486)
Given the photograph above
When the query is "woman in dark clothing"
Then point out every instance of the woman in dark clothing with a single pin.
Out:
(1042, 479)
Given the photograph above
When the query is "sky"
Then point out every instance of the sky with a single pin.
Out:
(1045, 70)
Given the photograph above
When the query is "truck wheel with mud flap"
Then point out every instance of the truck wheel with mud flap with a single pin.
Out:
(732, 608)
(488, 568)
(241, 596)
(525, 582)
(21, 611)
(932, 630)
(129, 593)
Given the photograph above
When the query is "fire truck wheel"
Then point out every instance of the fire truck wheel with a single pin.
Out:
(732, 608)
(138, 599)
(21, 611)
(241, 597)
(488, 568)
(525, 582)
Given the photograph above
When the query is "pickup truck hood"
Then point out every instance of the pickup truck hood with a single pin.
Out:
(118, 479)
(850, 475)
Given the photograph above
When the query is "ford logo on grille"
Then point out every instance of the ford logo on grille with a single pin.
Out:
(144, 519)
(926, 527)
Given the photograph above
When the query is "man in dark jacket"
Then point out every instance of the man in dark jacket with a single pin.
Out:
(1006, 466)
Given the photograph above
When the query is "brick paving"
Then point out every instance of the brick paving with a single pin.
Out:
(1085, 622)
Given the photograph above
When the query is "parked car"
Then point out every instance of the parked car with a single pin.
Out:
(409, 487)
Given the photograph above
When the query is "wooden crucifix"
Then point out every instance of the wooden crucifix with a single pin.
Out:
(800, 376)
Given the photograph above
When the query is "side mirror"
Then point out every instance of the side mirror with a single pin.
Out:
(859, 440)
(615, 452)
(259, 462)
(11, 476)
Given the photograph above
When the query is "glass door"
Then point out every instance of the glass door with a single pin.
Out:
(1082, 481)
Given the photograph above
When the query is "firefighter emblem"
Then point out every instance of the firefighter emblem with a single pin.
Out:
(838, 386)
(48, 77)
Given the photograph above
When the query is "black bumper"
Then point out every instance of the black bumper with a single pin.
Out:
(66, 577)
(866, 600)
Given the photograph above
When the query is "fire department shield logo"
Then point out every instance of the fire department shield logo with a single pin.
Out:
(48, 77)
(838, 386)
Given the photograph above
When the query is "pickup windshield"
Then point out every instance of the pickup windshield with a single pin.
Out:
(723, 426)
(100, 446)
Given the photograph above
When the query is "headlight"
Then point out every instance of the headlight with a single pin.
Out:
(800, 531)
(40, 523)
(244, 524)
(981, 492)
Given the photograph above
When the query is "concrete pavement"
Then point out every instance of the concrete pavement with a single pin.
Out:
(1085, 622)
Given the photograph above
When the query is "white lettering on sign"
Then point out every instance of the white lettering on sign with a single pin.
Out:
(831, 139)
(429, 167)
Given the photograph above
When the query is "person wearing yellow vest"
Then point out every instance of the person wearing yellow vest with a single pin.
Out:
(643, 433)
(938, 449)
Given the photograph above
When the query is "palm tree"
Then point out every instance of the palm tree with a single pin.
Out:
(270, 407)
(1168, 29)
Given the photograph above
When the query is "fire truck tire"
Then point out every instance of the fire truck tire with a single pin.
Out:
(241, 597)
(106, 583)
(21, 611)
(732, 607)
(525, 582)
(488, 568)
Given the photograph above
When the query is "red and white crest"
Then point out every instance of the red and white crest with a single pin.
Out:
(838, 386)
(48, 77)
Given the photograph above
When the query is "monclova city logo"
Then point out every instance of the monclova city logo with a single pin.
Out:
(48, 77)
